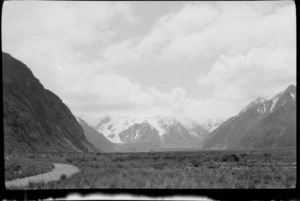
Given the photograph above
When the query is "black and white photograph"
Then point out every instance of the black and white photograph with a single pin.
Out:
(149, 94)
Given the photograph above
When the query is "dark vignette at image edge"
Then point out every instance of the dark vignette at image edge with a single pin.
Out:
(215, 194)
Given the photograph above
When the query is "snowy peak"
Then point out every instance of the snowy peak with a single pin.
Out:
(269, 105)
(159, 129)
(257, 102)
(286, 97)
(139, 133)
(291, 89)
(167, 122)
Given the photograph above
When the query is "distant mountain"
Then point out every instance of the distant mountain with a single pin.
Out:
(178, 136)
(140, 137)
(103, 121)
(35, 119)
(264, 123)
(200, 131)
(211, 125)
(151, 133)
(96, 138)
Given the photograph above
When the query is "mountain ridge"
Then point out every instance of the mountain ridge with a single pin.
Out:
(248, 129)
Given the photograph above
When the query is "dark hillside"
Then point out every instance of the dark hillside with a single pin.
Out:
(35, 119)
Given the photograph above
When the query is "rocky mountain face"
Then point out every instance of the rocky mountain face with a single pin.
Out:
(96, 138)
(151, 133)
(140, 137)
(34, 118)
(264, 123)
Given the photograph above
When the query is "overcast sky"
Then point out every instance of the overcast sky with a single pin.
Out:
(195, 59)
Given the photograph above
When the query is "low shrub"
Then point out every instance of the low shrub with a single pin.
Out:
(20, 167)
(210, 169)
(63, 177)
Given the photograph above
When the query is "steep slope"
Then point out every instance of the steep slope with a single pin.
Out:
(35, 119)
(264, 123)
(278, 128)
(96, 138)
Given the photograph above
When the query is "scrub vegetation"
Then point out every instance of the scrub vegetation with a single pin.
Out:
(194, 169)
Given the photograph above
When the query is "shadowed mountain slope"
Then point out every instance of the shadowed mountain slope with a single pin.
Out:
(35, 119)
(96, 138)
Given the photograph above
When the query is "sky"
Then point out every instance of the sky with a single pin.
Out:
(200, 60)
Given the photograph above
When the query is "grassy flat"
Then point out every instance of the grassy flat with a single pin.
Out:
(19, 167)
(274, 168)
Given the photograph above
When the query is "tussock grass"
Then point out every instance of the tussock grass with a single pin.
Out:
(19, 167)
(205, 169)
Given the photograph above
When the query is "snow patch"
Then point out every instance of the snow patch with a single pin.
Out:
(293, 95)
(265, 108)
(253, 103)
(136, 135)
(262, 110)
(211, 125)
(274, 101)
(155, 124)
(194, 133)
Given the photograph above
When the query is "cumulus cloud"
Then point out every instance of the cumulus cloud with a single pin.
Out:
(242, 78)
(192, 18)
(116, 95)
(205, 30)
(236, 31)
(242, 49)
(123, 52)
(45, 35)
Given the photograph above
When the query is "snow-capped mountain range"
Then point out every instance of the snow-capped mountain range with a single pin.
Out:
(165, 132)
(263, 123)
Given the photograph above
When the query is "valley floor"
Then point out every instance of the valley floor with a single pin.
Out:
(60, 171)
(194, 169)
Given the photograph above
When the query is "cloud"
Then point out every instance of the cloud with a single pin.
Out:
(191, 18)
(205, 30)
(235, 31)
(164, 31)
(45, 35)
(121, 53)
(76, 49)
(254, 47)
(116, 95)
(242, 78)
